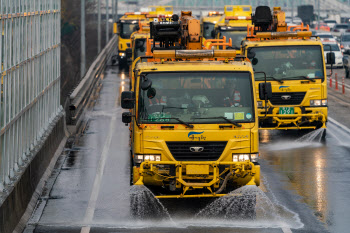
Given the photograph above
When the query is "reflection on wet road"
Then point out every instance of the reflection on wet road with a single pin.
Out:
(305, 183)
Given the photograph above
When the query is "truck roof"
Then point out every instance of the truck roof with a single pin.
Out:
(282, 42)
(170, 66)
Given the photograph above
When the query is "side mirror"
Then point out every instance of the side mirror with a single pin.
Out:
(265, 91)
(128, 99)
(126, 117)
(146, 83)
(330, 58)
(251, 54)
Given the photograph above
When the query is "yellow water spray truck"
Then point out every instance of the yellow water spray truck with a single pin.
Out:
(126, 25)
(233, 24)
(293, 63)
(192, 115)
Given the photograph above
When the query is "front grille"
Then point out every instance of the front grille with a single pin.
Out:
(296, 98)
(211, 152)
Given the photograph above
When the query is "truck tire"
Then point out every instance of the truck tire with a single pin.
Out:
(347, 73)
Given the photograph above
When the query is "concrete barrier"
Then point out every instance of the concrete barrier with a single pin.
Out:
(14, 202)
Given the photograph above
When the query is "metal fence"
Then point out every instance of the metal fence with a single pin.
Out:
(30, 79)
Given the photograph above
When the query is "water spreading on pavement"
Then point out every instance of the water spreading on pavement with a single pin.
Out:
(248, 206)
(313, 136)
(247, 202)
(145, 206)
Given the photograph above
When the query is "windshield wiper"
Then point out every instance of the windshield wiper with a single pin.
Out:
(280, 81)
(304, 77)
(221, 117)
(181, 121)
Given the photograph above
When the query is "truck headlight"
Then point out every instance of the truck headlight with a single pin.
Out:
(254, 157)
(315, 102)
(318, 102)
(245, 157)
(121, 54)
(141, 158)
(260, 105)
(235, 158)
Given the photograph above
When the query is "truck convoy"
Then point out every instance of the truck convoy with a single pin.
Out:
(292, 62)
(192, 115)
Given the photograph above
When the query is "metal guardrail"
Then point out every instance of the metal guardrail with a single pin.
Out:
(30, 80)
(82, 93)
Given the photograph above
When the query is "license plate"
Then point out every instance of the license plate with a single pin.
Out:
(197, 169)
(286, 110)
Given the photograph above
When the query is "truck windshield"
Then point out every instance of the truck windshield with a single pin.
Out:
(236, 36)
(288, 62)
(127, 28)
(207, 29)
(197, 98)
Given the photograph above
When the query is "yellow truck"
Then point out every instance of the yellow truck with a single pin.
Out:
(192, 116)
(139, 41)
(292, 62)
(234, 24)
(208, 24)
(167, 11)
(126, 25)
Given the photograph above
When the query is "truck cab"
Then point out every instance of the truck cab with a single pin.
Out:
(234, 24)
(192, 116)
(208, 24)
(127, 24)
(187, 130)
(293, 64)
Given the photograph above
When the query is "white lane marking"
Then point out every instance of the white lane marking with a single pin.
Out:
(85, 230)
(341, 126)
(90, 211)
(286, 230)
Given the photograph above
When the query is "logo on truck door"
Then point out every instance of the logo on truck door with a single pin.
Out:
(196, 136)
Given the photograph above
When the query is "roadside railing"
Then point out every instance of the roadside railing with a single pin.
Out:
(30, 80)
(84, 91)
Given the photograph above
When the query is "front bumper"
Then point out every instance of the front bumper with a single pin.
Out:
(303, 118)
(195, 179)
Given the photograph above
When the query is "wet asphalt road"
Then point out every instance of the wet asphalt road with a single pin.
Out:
(307, 182)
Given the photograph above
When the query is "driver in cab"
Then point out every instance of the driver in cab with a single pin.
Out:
(233, 98)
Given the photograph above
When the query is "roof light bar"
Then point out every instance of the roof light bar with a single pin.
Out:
(238, 18)
(283, 34)
(194, 54)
